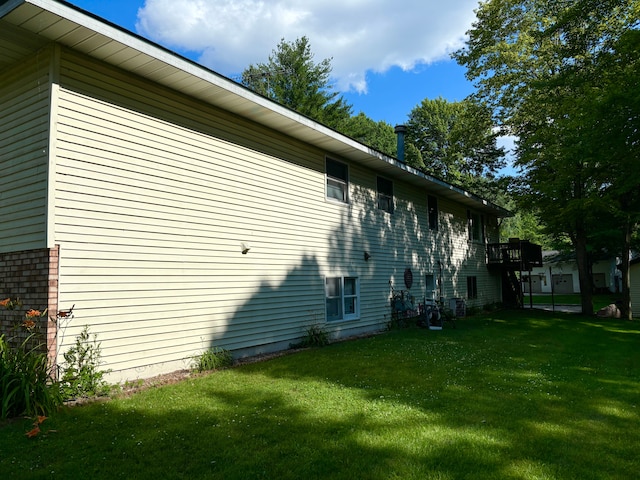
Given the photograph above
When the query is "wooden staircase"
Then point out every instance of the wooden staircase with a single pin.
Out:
(512, 258)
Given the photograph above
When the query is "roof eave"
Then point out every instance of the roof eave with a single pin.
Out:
(117, 46)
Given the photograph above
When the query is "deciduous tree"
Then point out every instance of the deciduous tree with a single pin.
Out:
(538, 64)
(378, 135)
(455, 141)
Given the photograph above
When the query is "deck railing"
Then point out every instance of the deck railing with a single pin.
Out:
(517, 254)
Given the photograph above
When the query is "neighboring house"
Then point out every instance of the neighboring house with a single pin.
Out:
(634, 286)
(560, 272)
(177, 210)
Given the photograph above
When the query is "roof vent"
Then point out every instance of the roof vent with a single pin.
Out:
(400, 131)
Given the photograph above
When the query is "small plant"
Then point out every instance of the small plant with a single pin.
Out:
(26, 383)
(212, 359)
(81, 375)
(316, 336)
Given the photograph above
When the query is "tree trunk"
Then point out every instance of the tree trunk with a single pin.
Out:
(625, 307)
(586, 285)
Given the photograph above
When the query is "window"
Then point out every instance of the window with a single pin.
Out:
(476, 226)
(337, 181)
(343, 298)
(432, 210)
(385, 194)
(430, 285)
(472, 287)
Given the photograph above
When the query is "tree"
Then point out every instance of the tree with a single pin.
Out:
(291, 77)
(537, 65)
(454, 141)
(377, 135)
(525, 224)
(613, 116)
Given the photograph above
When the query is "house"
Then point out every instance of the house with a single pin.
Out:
(560, 272)
(173, 209)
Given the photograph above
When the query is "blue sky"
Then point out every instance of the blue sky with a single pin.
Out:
(387, 56)
(393, 94)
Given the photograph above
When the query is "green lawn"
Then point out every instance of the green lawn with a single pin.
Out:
(599, 300)
(511, 395)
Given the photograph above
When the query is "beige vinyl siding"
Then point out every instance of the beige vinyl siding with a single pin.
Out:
(24, 122)
(155, 195)
(151, 215)
(462, 257)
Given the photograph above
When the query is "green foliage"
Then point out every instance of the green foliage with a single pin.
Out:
(526, 225)
(378, 135)
(26, 384)
(292, 78)
(456, 141)
(511, 395)
(212, 359)
(26, 387)
(81, 375)
(315, 336)
(559, 76)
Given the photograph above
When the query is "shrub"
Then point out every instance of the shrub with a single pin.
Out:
(212, 359)
(26, 384)
(81, 375)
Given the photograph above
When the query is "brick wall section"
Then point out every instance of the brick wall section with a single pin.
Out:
(31, 276)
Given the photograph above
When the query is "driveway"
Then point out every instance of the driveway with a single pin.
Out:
(557, 308)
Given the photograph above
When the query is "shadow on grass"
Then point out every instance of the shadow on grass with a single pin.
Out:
(499, 397)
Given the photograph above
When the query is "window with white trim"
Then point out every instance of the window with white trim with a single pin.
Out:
(343, 298)
(385, 194)
(337, 181)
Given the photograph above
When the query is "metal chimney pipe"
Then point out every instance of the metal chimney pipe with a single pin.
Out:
(400, 131)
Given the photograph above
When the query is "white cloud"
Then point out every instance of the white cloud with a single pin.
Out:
(358, 35)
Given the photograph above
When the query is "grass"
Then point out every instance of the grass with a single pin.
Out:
(511, 395)
(599, 300)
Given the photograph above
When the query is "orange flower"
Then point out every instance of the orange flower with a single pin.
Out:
(40, 419)
(33, 313)
(33, 432)
(28, 324)
(5, 302)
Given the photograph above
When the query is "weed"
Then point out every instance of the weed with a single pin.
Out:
(212, 359)
(315, 336)
(81, 375)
